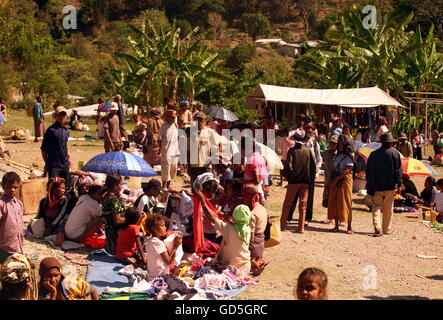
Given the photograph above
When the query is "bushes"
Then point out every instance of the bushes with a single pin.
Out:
(256, 24)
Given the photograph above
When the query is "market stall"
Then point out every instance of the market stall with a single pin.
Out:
(357, 107)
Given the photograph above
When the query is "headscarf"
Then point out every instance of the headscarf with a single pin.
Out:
(76, 288)
(242, 216)
(250, 190)
(47, 264)
(348, 145)
(201, 179)
(18, 268)
(51, 185)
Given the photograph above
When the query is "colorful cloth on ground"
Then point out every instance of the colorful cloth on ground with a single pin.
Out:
(76, 289)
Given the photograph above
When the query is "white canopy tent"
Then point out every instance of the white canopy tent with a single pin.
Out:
(85, 111)
(356, 98)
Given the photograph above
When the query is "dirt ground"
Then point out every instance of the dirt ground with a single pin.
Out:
(349, 260)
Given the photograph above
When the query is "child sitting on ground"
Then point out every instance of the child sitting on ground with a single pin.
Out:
(129, 248)
(11, 217)
(159, 259)
(312, 285)
(54, 286)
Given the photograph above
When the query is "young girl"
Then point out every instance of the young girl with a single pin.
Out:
(113, 210)
(129, 247)
(312, 285)
(159, 259)
(54, 286)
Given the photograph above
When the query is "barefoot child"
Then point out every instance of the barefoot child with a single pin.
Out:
(11, 217)
(129, 247)
(159, 259)
(312, 285)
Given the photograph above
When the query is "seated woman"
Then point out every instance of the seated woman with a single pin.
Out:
(231, 197)
(17, 278)
(55, 209)
(113, 210)
(427, 197)
(147, 202)
(409, 191)
(85, 219)
(54, 286)
(234, 249)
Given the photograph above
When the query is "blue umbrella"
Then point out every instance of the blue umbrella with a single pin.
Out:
(122, 163)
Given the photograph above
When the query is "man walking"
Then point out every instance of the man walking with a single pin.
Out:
(168, 140)
(39, 119)
(404, 146)
(299, 170)
(111, 125)
(383, 175)
(55, 146)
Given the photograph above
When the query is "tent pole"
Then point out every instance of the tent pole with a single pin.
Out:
(410, 118)
(426, 126)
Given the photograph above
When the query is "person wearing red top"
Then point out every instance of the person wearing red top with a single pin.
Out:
(129, 248)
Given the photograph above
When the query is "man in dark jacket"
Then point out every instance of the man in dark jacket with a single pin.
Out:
(383, 175)
(299, 170)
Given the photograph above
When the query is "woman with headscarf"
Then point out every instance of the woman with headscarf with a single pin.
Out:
(151, 146)
(234, 249)
(382, 127)
(54, 286)
(340, 185)
(17, 278)
(257, 224)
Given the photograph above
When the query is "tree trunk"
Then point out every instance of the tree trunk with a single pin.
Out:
(174, 92)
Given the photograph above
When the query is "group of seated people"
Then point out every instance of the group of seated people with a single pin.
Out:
(430, 199)
(228, 217)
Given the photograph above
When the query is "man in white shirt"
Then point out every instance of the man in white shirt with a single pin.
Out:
(169, 151)
(207, 144)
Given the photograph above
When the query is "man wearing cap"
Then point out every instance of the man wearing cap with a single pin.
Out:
(121, 115)
(404, 146)
(184, 115)
(299, 170)
(168, 140)
(383, 175)
(111, 124)
(202, 147)
(55, 146)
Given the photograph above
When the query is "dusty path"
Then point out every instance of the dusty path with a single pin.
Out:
(399, 273)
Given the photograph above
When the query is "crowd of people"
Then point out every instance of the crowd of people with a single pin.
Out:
(226, 200)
